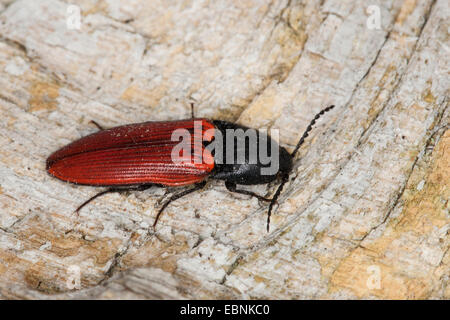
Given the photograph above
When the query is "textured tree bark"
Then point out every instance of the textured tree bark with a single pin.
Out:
(365, 214)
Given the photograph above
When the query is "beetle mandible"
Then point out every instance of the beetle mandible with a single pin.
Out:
(138, 156)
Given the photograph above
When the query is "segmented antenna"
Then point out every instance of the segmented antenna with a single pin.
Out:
(285, 177)
(308, 129)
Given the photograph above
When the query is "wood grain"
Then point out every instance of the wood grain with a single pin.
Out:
(365, 214)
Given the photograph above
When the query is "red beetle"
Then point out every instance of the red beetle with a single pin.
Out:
(138, 156)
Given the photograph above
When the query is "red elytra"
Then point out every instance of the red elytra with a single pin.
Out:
(132, 154)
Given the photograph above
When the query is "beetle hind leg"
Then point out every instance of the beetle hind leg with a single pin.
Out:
(92, 198)
(197, 186)
(97, 125)
(110, 190)
(231, 186)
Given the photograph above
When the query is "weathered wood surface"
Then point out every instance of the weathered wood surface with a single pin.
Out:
(366, 214)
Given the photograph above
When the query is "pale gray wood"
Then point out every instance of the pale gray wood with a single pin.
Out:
(365, 214)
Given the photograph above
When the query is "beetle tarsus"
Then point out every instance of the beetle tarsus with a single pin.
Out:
(197, 186)
(231, 186)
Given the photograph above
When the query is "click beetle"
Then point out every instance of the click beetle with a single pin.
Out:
(140, 155)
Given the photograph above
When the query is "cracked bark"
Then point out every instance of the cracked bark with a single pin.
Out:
(366, 190)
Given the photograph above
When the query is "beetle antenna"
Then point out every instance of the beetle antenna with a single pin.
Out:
(308, 129)
(286, 176)
(275, 198)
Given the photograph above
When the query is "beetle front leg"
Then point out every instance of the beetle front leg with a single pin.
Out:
(231, 186)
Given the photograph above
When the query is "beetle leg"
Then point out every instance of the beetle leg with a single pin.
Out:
(110, 190)
(231, 186)
(192, 110)
(197, 186)
(97, 125)
(285, 178)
